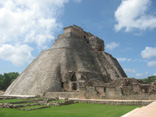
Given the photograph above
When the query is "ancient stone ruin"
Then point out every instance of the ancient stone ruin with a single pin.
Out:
(76, 66)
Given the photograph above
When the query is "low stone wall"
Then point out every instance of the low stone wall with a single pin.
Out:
(133, 97)
(116, 102)
(34, 108)
(9, 105)
(4, 97)
(62, 94)
(112, 93)
(20, 96)
(66, 102)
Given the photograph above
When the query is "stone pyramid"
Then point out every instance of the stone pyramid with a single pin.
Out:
(76, 55)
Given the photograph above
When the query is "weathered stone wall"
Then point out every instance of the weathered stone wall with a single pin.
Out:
(110, 65)
(112, 93)
(116, 102)
(77, 31)
(125, 88)
(62, 94)
(96, 43)
(40, 76)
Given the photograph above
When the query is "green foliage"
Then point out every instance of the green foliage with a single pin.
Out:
(149, 79)
(1, 82)
(73, 110)
(6, 79)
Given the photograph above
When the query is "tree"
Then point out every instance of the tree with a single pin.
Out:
(151, 78)
(6, 79)
(1, 82)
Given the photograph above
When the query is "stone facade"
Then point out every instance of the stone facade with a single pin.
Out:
(123, 88)
(76, 64)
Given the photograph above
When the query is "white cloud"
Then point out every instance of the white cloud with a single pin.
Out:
(112, 45)
(124, 59)
(130, 70)
(138, 74)
(132, 14)
(28, 22)
(78, 1)
(154, 74)
(149, 52)
(31, 21)
(18, 54)
(142, 75)
(151, 63)
(130, 60)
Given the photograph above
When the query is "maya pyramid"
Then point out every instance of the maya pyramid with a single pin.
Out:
(75, 55)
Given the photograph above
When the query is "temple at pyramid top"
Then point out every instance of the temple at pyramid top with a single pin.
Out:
(96, 43)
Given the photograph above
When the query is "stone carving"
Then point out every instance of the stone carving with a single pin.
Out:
(77, 63)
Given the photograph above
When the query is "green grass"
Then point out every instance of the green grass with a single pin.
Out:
(18, 100)
(73, 110)
(12, 100)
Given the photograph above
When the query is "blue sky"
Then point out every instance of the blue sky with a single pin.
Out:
(128, 28)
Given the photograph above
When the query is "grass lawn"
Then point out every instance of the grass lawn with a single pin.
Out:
(73, 110)
(18, 100)
(12, 100)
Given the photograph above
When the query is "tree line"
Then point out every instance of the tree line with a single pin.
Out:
(149, 79)
(6, 79)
